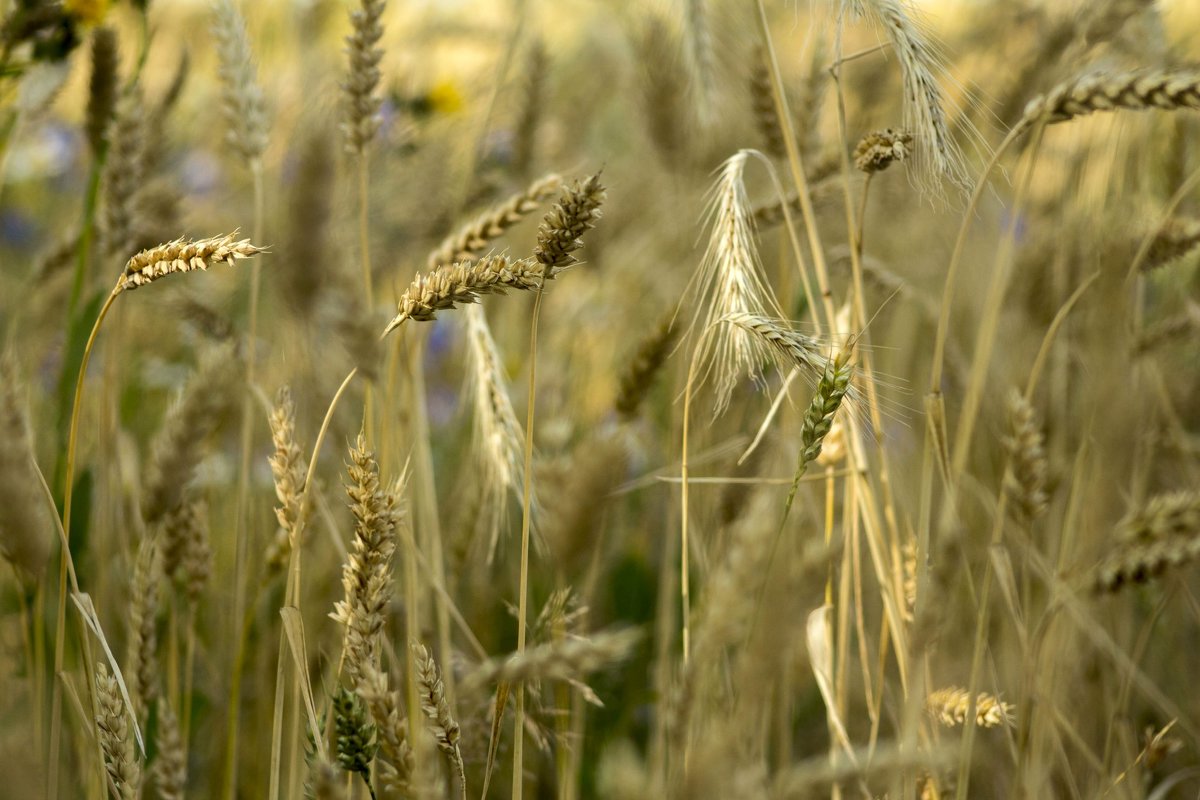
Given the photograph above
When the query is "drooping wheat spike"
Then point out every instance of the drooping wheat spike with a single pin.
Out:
(367, 574)
(731, 281)
(1026, 482)
(878, 150)
(355, 733)
(1093, 92)
(499, 438)
(142, 659)
(116, 741)
(288, 468)
(791, 348)
(763, 104)
(471, 240)
(187, 554)
(361, 89)
(241, 96)
(169, 771)
(1164, 533)
(560, 660)
(324, 782)
(102, 89)
(949, 707)
(177, 446)
(123, 174)
(183, 256)
(562, 229)
(26, 528)
(533, 100)
(448, 286)
(638, 377)
(937, 154)
(394, 757)
(1176, 239)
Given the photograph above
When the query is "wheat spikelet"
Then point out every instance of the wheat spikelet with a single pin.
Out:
(663, 87)
(241, 96)
(878, 150)
(116, 742)
(936, 153)
(638, 377)
(355, 733)
(731, 281)
(949, 707)
(448, 286)
(102, 89)
(1026, 480)
(187, 555)
(26, 528)
(433, 701)
(394, 757)
(176, 449)
(180, 256)
(562, 229)
(170, 765)
(565, 659)
(1176, 239)
(361, 89)
(1164, 533)
(288, 468)
(367, 574)
(794, 347)
(123, 174)
(499, 438)
(470, 241)
(143, 636)
(818, 419)
(1108, 91)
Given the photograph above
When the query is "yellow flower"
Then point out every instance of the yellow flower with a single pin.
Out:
(87, 12)
(445, 98)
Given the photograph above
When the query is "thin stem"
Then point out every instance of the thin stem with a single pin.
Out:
(292, 594)
(60, 625)
(241, 525)
(526, 502)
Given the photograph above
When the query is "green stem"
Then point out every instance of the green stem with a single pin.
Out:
(60, 626)
(526, 519)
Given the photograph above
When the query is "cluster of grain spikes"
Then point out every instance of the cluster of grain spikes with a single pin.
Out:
(448, 286)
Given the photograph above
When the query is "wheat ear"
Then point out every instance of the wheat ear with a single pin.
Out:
(471, 240)
(1138, 90)
(950, 707)
(112, 725)
(441, 721)
(241, 96)
(183, 256)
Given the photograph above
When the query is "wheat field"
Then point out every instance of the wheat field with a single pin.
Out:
(679, 398)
